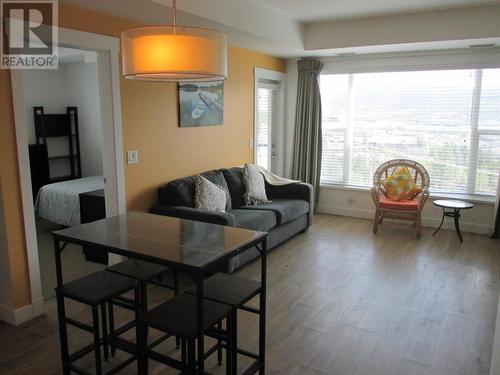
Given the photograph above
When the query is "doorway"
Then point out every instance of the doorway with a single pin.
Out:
(106, 50)
(269, 120)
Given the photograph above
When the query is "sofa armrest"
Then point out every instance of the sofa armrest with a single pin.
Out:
(299, 190)
(181, 212)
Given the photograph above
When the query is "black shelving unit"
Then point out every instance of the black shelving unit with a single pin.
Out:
(54, 126)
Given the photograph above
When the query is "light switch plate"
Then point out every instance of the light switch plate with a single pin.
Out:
(132, 157)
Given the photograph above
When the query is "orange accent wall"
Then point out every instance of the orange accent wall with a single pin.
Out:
(149, 120)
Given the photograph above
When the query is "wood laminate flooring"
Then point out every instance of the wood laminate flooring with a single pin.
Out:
(340, 301)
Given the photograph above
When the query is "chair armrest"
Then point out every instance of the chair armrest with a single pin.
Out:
(422, 198)
(298, 190)
(189, 213)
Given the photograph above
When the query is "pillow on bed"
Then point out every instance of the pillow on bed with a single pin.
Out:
(209, 196)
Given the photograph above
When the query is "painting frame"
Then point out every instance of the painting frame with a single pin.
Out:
(200, 103)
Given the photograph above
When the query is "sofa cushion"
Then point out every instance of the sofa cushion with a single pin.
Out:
(181, 192)
(234, 179)
(398, 205)
(285, 209)
(260, 220)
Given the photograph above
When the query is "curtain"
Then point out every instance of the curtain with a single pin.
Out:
(496, 231)
(306, 162)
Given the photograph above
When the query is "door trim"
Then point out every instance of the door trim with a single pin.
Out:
(272, 75)
(108, 48)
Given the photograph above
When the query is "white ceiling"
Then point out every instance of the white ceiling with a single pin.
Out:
(294, 28)
(311, 11)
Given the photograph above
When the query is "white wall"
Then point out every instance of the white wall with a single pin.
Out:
(71, 85)
(6, 302)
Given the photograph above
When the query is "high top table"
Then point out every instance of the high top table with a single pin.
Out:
(192, 247)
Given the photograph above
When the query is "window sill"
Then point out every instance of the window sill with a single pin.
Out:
(474, 198)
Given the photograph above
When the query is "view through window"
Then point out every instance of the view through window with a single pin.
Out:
(448, 120)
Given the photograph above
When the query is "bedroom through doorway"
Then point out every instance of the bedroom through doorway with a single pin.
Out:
(64, 134)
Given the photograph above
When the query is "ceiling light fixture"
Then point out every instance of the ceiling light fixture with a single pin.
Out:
(174, 53)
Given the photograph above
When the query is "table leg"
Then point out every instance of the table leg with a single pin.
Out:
(456, 217)
(200, 318)
(61, 311)
(441, 224)
(141, 333)
(262, 308)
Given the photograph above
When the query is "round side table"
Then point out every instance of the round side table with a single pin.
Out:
(451, 208)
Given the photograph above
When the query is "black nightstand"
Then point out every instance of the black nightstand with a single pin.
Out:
(92, 208)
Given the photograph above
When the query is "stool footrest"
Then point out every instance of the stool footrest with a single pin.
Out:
(123, 302)
(253, 368)
(124, 345)
(159, 340)
(83, 326)
(78, 370)
(158, 357)
(250, 309)
(124, 328)
(216, 333)
(243, 352)
(121, 366)
(81, 352)
(211, 351)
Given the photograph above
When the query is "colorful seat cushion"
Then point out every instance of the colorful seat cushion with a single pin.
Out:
(410, 205)
(400, 185)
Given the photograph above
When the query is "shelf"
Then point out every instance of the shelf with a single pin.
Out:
(61, 178)
(61, 157)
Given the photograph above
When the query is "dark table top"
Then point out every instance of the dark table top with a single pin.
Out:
(448, 203)
(163, 240)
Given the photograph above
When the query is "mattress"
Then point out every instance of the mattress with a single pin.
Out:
(60, 202)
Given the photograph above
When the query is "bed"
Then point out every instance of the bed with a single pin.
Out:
(60, 203)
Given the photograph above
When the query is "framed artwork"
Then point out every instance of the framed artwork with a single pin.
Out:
(201, 104)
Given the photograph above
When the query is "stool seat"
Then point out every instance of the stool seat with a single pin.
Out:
(228, 289)
(97, 287)
(178, 315)
(138, 269)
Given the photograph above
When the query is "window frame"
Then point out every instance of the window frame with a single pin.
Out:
(420, 61)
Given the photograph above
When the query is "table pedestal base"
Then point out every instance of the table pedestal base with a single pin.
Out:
(455, 214)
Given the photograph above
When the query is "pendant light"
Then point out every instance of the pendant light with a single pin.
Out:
(174, 53)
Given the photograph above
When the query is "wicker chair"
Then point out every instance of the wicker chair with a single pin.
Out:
(405, 210)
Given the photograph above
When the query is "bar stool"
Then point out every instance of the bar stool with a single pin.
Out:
(178, 316)
(236, 292)
(94, 290)
(144, 273)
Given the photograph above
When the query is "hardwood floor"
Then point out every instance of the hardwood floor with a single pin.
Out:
(342, 301)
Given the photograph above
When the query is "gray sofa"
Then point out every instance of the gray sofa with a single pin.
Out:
(289, 213)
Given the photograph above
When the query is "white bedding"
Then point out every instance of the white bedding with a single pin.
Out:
(60, 202)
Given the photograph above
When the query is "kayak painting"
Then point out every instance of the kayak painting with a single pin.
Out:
(201, 104)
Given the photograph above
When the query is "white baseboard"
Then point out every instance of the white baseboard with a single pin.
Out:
(38, 307)
(426, 221)
(22, 314)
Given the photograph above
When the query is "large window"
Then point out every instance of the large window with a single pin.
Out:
(448, 120)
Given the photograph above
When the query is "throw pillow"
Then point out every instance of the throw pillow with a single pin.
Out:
(209, 196)
(255, 187)
(400, 185)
